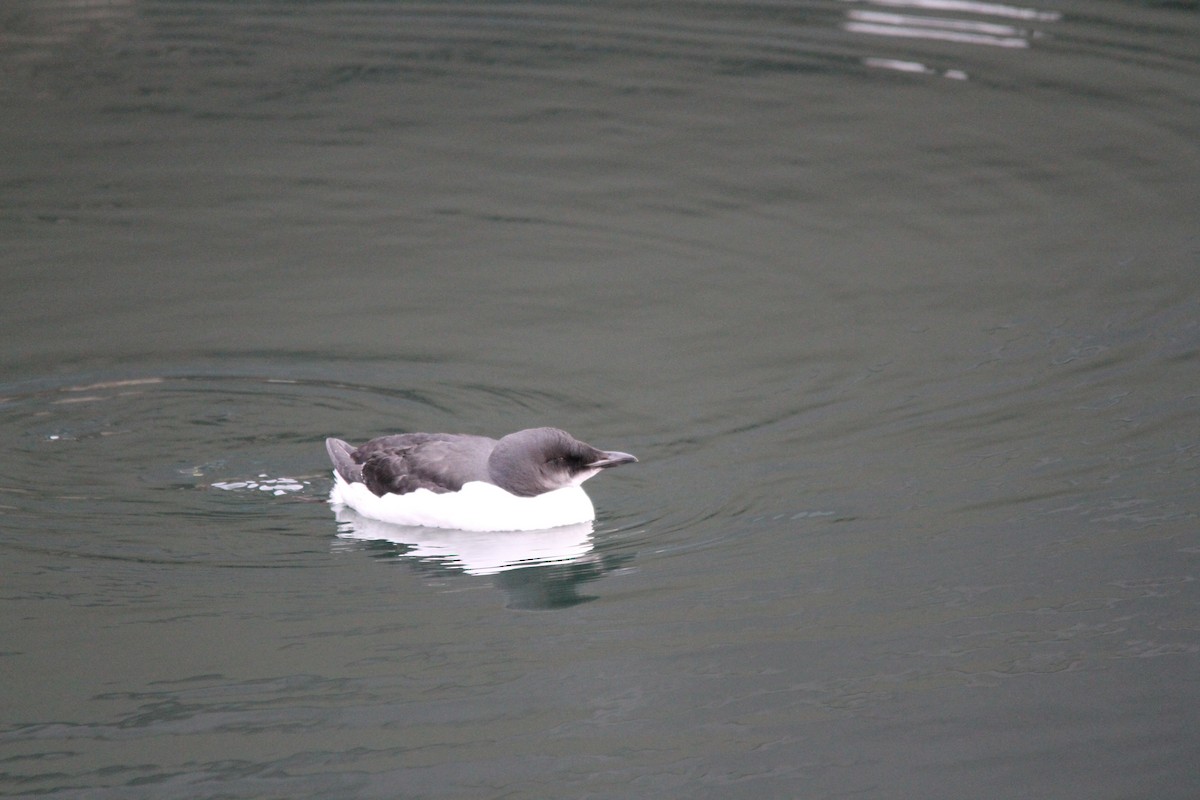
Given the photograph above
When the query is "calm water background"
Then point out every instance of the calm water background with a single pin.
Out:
(898, 304)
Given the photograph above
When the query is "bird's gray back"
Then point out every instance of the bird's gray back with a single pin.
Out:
(440, 462)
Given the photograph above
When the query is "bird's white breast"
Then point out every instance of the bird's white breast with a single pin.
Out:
(477, 506)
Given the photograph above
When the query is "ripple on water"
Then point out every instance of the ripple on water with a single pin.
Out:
(188, 467)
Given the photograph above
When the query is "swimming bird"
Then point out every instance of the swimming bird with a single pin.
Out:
(527, 480)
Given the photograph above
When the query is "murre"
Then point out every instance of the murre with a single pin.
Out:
(527, 480)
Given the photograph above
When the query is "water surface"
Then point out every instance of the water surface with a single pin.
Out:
(895, 301)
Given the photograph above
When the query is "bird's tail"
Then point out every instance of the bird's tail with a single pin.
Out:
(342, 456)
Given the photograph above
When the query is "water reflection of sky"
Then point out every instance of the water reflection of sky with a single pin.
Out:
(955, 21)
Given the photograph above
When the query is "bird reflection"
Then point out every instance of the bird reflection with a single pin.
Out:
(535, 569)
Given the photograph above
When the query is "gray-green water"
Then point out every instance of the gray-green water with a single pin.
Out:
(898, 304)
